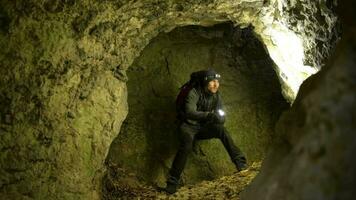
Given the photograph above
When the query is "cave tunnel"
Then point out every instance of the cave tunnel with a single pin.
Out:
(250, 90)
(87, 92)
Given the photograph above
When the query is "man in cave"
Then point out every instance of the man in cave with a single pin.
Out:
(201, 117)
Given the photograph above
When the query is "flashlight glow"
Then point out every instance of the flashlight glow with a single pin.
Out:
(221, 112)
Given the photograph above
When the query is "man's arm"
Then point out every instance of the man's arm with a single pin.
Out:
(191, 107)
(219, 104)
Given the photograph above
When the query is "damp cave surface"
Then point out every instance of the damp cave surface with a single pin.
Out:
(250, 90)
(63, 97)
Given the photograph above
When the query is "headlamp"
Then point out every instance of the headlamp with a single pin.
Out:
(212, 77)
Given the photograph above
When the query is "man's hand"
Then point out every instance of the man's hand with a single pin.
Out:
(215, 118)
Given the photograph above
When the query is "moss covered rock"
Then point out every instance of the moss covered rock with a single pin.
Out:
(63, 77)
(314, 155)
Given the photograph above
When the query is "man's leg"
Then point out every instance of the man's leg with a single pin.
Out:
(219, 131)
(186, 136)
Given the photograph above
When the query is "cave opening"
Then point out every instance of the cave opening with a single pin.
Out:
(251, 92)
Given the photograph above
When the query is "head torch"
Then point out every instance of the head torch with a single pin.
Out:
(212, 77)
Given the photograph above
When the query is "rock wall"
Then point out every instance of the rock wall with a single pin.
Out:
(314, 155)
(250, 89)
(63, 80)
(61, 106)
(319, 32)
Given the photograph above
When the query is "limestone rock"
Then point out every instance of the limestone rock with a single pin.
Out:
(63, 94)
(314, 158)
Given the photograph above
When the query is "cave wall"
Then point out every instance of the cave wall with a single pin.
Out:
(251, 93)
(314, 157)
(63, 79)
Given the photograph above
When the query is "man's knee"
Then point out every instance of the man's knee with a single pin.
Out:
(186, 141)
(186, 146)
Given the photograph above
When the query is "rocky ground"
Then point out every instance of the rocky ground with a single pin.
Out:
(120, 185)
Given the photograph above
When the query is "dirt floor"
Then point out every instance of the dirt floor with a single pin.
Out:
(121, 185)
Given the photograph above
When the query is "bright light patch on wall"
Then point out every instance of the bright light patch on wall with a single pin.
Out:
(287, 51)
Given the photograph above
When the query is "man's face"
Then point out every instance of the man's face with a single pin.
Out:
(213, 86)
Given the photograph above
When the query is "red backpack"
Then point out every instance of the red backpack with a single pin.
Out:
(196, 79)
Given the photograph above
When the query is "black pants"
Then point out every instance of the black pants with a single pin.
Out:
(188, 134)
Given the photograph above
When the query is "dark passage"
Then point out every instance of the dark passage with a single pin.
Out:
(249, 86)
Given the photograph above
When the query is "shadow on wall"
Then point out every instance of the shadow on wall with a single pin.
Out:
(147, 138)
(251, 92)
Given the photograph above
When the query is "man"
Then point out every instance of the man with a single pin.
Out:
(203, 118)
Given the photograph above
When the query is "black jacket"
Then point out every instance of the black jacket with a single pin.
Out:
(199, 103)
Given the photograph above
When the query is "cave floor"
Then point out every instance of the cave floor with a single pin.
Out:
(226, 187)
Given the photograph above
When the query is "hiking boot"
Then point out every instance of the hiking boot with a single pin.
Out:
(240, 165)
(171, 188)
